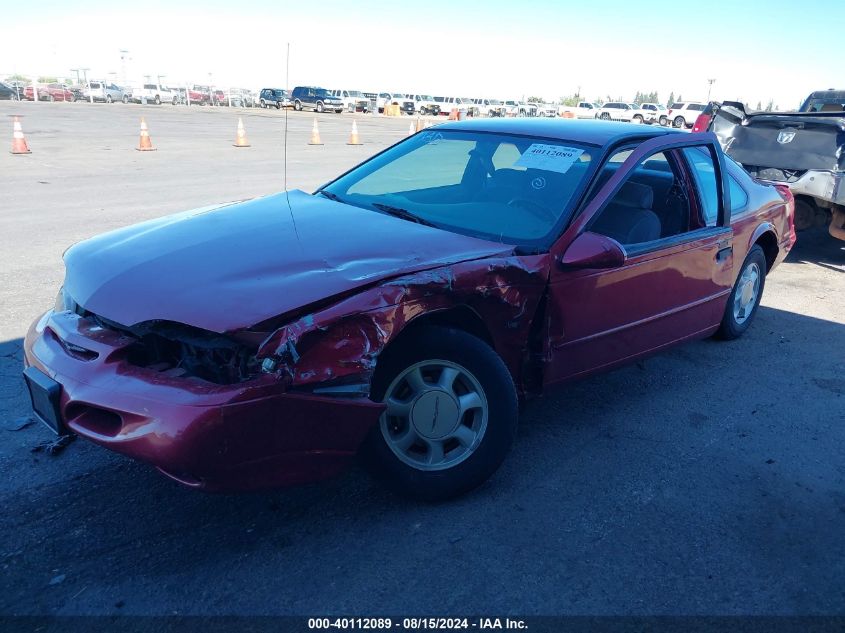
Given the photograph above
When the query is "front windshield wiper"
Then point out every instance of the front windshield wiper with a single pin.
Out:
(329, 195)
(399, 212)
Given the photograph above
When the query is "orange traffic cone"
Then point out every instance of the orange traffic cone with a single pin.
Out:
(240, 138)
(411, 130)
(353, 138)
(145, 144)
(567, 115)
(315, 135)
(453, 114)
(19, 145)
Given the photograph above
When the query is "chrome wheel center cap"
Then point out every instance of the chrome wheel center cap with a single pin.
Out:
(435, 414)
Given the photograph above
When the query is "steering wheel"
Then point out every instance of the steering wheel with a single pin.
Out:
(534, 207)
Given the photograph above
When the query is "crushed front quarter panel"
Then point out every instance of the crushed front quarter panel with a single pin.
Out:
(343, 341)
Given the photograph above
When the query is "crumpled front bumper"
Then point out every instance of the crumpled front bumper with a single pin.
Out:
(215, 437)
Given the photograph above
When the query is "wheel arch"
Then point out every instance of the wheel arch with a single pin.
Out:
(765, 237)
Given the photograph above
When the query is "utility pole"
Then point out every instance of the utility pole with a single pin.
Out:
(709, 88)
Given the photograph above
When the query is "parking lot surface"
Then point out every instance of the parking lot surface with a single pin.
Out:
(706, 480)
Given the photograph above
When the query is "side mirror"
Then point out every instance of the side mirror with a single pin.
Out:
(591, 250)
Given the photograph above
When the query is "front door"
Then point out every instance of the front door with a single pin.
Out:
(678, 272)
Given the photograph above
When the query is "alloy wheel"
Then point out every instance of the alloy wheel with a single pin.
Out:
(747, 293)
(436, 415)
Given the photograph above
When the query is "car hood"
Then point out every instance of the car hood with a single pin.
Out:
(230, 267)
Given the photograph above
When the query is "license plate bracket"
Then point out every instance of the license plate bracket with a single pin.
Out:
(44, 394)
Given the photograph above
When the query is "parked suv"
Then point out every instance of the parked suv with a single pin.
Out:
(8, 92)
(654, 113)
(156, 93)
(683, 115)
(273, 97)
(317, 99)
(105, 92)
(616, 111)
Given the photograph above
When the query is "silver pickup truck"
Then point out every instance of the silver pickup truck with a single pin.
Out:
(804, 150)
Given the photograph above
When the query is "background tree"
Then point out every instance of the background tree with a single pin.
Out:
(534, 100)
(671, 99)
(770, 105)
(19, 77)
(45, 79)
(759, 105)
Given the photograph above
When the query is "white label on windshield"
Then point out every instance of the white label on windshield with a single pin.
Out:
(549, 157)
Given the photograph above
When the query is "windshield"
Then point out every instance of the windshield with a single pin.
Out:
(504, 188)
(355, 93)
(426, 97)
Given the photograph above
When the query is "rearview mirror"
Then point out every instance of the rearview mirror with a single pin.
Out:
(591, 250)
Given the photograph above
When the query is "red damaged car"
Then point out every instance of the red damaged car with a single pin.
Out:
(401, 311)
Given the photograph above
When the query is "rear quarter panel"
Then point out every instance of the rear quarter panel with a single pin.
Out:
(766, 212)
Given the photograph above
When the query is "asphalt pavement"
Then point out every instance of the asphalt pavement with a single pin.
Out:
(709, 479)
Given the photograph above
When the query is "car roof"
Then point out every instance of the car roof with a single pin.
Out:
(582, 131)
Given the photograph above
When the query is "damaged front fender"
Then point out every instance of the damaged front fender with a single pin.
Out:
(340, 344)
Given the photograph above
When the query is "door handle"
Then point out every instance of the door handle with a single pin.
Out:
(723, 253)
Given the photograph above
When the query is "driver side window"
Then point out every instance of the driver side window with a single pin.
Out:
(652, 203)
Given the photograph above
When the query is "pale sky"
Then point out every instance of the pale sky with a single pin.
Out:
(755, 50)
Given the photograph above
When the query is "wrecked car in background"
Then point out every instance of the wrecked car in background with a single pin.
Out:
(401, 311)
(805, 150)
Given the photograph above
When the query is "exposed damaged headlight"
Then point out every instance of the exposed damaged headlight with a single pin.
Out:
(64, 302)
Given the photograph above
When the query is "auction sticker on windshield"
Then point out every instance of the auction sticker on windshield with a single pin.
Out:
(549, 157)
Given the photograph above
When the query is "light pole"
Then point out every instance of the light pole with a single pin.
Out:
(709, 88)
(124, 56)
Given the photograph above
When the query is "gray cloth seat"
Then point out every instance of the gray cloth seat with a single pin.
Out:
(628, 217)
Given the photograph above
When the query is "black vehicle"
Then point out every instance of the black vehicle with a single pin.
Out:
(317, 99)
(273, 97)
(8, 93)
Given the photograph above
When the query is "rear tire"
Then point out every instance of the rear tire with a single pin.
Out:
(158, 100)
(745, 297)
(679, 122)
(805, 215)
(453, 416)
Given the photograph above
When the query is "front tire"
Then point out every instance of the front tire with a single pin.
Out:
(662, 121)
(297, 105)
(158, 100)
(745, 297)
(451, 417)
(320, 107)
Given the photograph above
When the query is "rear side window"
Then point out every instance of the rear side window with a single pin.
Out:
(677, 106)
(705, 176)
(698, 107)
